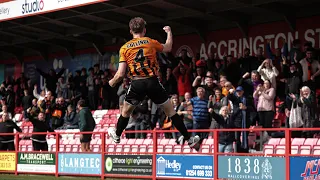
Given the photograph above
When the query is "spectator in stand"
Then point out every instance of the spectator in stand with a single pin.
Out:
(40, 96)
(96, 70)
(170, 83)
(46, 106)
(250, 86)
(217, 101)
(39, 141)
(226, 86)
(307, 102)
(186, 111)
(225, 121)
(72, 95)
(77, 80)
(61, 90)
(200, 112)
(123, 88)
(295, 52)
(84, 75)
(247, 63)
(34, 108)
(218, 69)
(209, 85)
(293, 80)
(97, 87)
(9, 95)
(241, 120)
(4, 109)
(259, 57)
(277, 56)
(51, 78)
(211, 61)
(231, 70)
(265, 107)
(182, 74)
(7, 126)
(268, 72)
(90, 85)
(58, 113)
(71, 119)
(185, 58)
(26, 102)
(86, 124)
(83, 91)
(310, 70)
(8, 81)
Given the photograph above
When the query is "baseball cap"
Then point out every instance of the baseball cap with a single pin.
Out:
(239, 88)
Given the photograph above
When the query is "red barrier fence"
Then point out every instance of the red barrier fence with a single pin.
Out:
(165, 165)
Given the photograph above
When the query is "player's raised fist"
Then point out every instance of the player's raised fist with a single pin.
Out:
(167, 29)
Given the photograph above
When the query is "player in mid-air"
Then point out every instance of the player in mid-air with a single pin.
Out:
(139, 56)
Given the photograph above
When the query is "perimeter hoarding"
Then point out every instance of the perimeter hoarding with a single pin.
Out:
(303, 168)
(139, 165)
(71, 163)
(12, 9)
(36, 162)
(251, 167)
(184, 166)
(7, 161)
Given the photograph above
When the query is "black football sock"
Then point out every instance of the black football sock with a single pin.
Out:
(122, 124)
(178, 123)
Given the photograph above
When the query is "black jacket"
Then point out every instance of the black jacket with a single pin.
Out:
(7, 127)
(39, 126)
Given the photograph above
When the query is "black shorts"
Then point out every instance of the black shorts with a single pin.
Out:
(150, 87)
(86, 138)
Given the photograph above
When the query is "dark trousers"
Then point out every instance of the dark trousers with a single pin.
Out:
(240, 149)
(266, 118)
(7, 146)
(201, 125)
(91, 98)
(37, 146)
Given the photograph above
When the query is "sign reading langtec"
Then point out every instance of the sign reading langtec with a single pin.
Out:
(12, 9)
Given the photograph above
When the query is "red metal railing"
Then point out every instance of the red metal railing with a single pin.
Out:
(215, 153)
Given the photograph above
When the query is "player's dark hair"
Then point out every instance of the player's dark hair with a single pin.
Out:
(137, 25)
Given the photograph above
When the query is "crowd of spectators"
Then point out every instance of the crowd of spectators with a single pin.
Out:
(233, 92)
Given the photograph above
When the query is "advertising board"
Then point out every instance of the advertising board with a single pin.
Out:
(37, 162)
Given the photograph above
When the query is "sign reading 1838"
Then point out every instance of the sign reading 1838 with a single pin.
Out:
(251, 167)
(36, 162)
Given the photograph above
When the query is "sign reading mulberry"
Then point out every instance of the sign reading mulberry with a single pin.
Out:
(37, 162)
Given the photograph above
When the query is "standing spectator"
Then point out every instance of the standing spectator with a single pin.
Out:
(39, 141)
(268, 72)
(4, 109)
(186, 111)
(225, 121)
(250, 86)
(307, 102)
(182, 74)
(26, 102)
(293, 79)
(295, 52)
(170, 83)
(310, 70)
(200, 112)
(90, 85)
(123, 88)
(51, 78)
(241, 120)
(7, 126)
(265, 107)
(58, 113)
(86, 124)
(9, 96)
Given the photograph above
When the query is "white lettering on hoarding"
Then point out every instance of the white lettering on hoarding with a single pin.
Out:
(235, 46)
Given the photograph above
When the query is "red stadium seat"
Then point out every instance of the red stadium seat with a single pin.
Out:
(75, 148)
(126, 148)
(164, 141)
(95, 148)
(119, 148)
(172, 141)
(53, 148)
(269, 149)
(61, 148)
(29, 148)
(168, 149)
(139, 141)
(110, 148)
(68, 148)
(147, 141)
(23, 148)
(135, 149)
(142, 148)
(177, 149)
(205, 148)
(274, 141)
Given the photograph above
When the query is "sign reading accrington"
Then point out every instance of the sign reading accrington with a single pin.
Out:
(36, 162)
(7, 161)
(21, 8)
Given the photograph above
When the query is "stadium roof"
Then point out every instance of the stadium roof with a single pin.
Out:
(106, 23)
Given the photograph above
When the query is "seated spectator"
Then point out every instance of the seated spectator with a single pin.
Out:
(71, 119)
(7, 126)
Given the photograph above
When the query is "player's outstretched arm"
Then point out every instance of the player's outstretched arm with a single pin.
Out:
(168, 45)
(120, 74)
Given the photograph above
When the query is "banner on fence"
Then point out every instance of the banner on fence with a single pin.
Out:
(251, 167)
(70, 163)
(37, 162)
(304, 168)
(7, 161)
(185, 166)
(140, 165)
